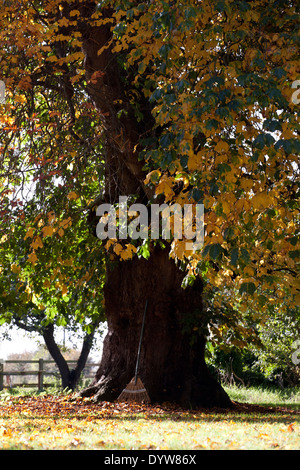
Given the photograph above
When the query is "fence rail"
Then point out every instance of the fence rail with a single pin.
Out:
(40, 372)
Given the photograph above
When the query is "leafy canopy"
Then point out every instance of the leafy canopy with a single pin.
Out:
(51, 169)
(219, 76)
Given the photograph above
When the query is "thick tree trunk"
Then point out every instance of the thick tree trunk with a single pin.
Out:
(171, 367)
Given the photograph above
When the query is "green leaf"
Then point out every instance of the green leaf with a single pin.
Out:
(215, 250)
(234, 256)
(245, 255)
(247, 288)
(272, 125)
(196, 194)
(205, 250)
(295, 254)
(61, 321)
(212, 124)
(263, 140)
(143, 250)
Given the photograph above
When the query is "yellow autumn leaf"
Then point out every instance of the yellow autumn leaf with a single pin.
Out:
(297, 299)
(239, 127)
(32, 258)
(240, 205)
(47, 283)
(179, 249)
(248, 271)
(37, 243)
(47, 231)
(28, 289)
(221, 146)
(194, 161)
(165, 187)
(64, 290)
(66, 223)
(125, 254)
(153, 175)
(74, 13)
(226, 207)
(29, 233)
(287, 134)
(51, 216)
(128, 252)
(261, 200)
(211, 228)
(118, 248)
(15, 268)
(118, 48)
(76, 56)
(72, 195)
(63, 22)
(109, 243)
(52, 58)
(231, 176)
(20, 99)
(246, 184)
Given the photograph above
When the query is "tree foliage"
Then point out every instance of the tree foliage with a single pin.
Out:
(49, 262)
(219, 80)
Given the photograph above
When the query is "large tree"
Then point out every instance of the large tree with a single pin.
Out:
(194, 104)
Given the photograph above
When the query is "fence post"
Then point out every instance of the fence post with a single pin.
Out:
(1, 373)
(41, 375)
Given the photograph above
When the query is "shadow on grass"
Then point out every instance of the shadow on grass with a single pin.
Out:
(267, 416)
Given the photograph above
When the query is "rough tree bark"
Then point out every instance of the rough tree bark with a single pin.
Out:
(171, 368)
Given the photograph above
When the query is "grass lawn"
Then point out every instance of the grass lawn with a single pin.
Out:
(262, 420)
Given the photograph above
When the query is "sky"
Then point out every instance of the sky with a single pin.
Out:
(22, 341)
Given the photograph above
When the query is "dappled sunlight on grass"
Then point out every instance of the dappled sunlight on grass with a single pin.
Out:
(266, 396)
(69, 422)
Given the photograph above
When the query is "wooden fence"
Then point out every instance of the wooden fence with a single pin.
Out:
(41, 373)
